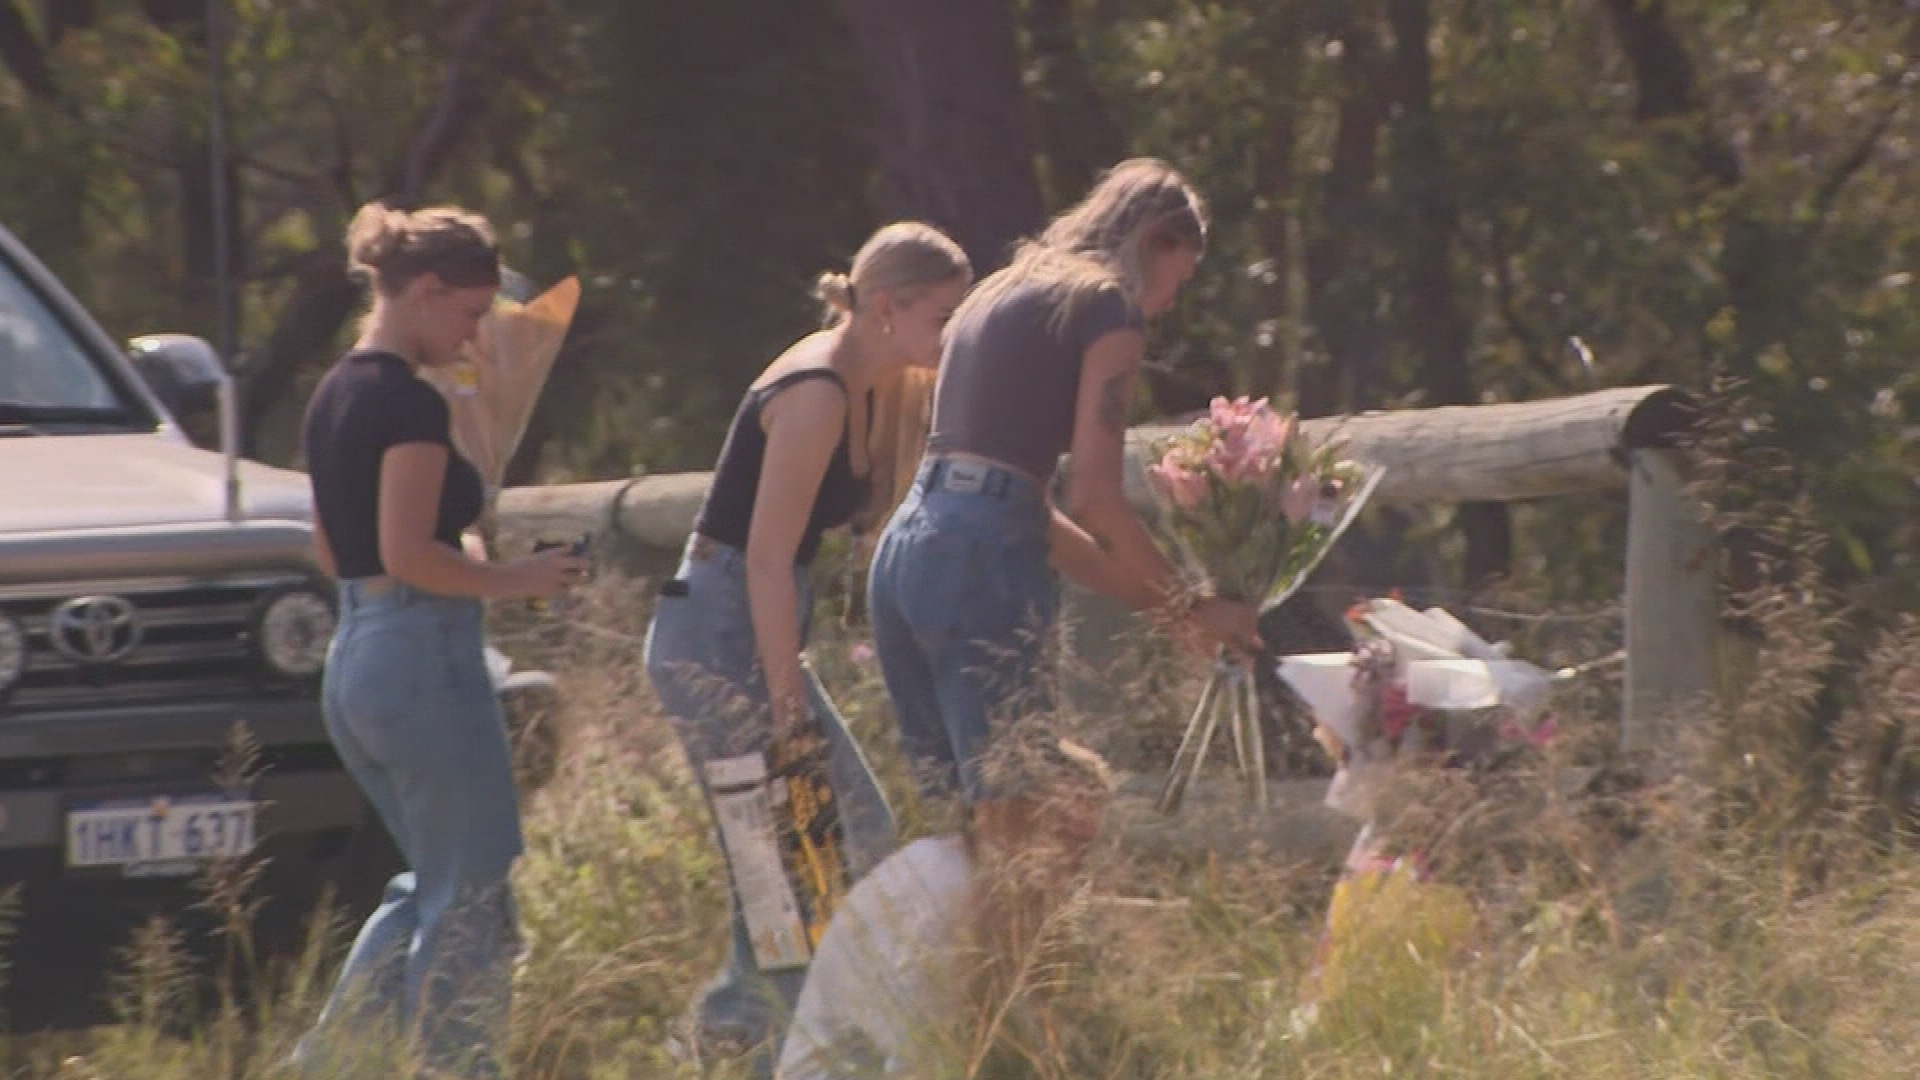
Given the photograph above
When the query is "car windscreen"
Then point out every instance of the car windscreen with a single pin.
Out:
(47, 376)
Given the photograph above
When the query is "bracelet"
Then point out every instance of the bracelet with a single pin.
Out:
(1182, 599)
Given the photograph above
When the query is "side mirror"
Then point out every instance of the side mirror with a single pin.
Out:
(186, 374)
(182, 371)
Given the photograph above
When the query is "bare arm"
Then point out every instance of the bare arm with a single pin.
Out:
(1080, 558)
(803, 425)
(1096, 492)
(411, 475)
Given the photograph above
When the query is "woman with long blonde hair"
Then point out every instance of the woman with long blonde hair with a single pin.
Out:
(1040, 360)
(725, 650)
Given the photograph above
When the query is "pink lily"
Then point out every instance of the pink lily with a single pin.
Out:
(1300, 499)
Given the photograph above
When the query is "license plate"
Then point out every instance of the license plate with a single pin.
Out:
(137, 831)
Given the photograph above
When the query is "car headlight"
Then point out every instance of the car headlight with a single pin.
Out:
(292, 631)
(13, 652)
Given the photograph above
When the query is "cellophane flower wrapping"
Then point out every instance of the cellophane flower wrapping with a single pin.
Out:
(1419, 686)
(491, 392)
(1248, 505)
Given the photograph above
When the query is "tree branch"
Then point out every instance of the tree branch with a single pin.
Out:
(65, 15)
(294, 177)
(323, 298)
(1850, 166)
(342, 172)
(1498, 254)
(23, 53)
(456, 107)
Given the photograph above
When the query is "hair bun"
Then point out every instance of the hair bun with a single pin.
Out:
(836, 291)
(390, 247)
(377, 233)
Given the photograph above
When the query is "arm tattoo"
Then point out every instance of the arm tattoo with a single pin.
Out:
(1113, 403)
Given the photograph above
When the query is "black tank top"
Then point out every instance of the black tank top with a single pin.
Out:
(727, 513)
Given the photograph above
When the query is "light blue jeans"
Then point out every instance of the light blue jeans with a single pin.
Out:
(705, 666)
(963, 601)
(411, 711)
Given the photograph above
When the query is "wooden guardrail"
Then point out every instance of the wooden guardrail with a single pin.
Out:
(1608, 440)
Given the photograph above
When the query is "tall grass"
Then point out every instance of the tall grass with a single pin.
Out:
(1749, 908)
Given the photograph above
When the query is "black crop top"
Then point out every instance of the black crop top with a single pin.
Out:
(727, 513)
(369, 402)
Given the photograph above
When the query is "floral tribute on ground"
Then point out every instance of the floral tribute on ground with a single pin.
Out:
(1247, 506)
(1419, 690)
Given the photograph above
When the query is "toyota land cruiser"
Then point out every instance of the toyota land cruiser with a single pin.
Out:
(155, 595)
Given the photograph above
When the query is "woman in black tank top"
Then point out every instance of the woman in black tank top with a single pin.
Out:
(724, 650)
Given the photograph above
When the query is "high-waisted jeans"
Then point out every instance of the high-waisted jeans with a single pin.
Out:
(963, 601)
(705, 666)
(412, 713)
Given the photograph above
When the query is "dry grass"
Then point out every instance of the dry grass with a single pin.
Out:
(1751, 910)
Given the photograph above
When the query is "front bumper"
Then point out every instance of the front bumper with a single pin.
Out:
(52, 761)
(158, 728)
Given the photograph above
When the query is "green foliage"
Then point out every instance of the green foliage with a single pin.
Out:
(1732, 206)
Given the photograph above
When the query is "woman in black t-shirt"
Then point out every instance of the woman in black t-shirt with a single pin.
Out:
(724, 650)
(408, 701)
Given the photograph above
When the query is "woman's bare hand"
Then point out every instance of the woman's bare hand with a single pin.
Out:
(546, 574)
(1229, 624)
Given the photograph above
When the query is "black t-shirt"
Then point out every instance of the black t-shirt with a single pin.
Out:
(369, 402)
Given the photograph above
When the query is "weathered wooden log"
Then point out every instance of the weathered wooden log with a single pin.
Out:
(1672, 603)
(656, 511)
(1461, 453)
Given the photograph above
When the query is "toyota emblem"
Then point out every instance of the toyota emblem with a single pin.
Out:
(95, 629)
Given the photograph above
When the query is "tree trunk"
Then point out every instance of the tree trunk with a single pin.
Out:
(952, 132)
(1438, 326)
(1340, 294)
(1078, 135)
(1276, 360)
(324, 297)
(193, 163)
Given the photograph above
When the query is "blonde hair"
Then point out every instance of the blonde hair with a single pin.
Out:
(1139, 207)
(904, 260)
(902, 419)
(390, 248)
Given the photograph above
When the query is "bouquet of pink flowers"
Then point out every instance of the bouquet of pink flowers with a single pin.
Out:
(1249, 504)
(1248, 507)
